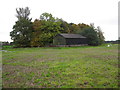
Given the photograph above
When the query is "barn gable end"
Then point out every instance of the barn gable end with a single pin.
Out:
(59, 40)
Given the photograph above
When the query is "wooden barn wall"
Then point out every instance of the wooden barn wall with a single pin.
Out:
(58, 40)
(75, 41)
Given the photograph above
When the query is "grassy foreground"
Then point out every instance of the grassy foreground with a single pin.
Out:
(67, 67)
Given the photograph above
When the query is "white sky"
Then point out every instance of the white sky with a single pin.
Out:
(103, 13)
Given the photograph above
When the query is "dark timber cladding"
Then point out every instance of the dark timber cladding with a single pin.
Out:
(69, 39)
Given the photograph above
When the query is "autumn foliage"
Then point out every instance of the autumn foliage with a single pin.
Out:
(41, 31)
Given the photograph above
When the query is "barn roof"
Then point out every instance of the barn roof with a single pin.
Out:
(72, 35)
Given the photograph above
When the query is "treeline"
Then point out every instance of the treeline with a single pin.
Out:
(5, 43)
(41, 31)
(113, 42)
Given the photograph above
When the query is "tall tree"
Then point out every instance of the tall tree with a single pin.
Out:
(100, 35)
(94, 36)
(65, 26)
(22, 30)
(36, 40)
(23, 13)
(91, 35)
(50, 27)
(47, 17)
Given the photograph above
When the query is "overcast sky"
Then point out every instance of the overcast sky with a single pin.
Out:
(103, 13)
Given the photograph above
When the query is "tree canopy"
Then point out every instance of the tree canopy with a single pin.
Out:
(22, 30)
(41, 31)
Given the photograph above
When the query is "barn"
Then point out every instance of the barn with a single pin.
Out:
(69, 39)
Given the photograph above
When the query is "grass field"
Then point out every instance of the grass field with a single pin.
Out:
(60, 67)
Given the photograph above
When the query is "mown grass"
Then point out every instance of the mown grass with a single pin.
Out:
(61, 67)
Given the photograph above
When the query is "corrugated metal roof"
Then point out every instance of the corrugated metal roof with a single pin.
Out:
(72, 35)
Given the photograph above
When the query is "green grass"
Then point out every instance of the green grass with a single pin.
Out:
(61, 67)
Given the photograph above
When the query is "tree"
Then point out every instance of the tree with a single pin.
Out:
(47, 17)
(23, 13)
(50, 27)
(36, 40)
(65, 26)
(72, 27)
(100, 35)
(91, 35)
(95, 36)
(22, 30)
(81, 27)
